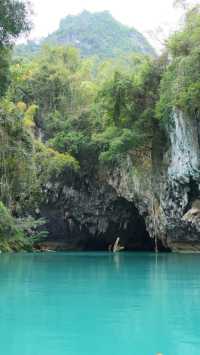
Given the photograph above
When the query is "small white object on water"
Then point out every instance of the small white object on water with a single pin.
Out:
(117, 247)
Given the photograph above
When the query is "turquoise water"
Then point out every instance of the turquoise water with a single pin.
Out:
(99, 304)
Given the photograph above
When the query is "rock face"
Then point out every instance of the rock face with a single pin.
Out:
(167, 192)
(87, 214)
(150, 200)
(183, 183)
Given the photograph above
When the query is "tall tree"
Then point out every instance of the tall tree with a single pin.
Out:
(14, 20)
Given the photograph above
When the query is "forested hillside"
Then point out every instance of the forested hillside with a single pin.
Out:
(63, 115)
(94, 34)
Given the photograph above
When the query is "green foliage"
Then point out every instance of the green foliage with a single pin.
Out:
(51, 164)
(33, 230)
(181, 82)
(58, 162)
(94, 34)
(14, 20)
(58, 82)
(72, 141)
(28, 49)
(8, 228)
(4, 69)
(61, 87)
(17, 169)
(126, 104)
(76, 106)
(115, 142)
(16, 234)
(184, 41)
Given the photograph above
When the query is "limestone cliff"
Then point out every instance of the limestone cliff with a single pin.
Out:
(167, 192)
(151, 199)
(88, 214)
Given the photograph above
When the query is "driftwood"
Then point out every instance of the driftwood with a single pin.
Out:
(117, 247)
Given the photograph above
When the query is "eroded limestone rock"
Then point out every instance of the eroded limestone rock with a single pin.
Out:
(151, 197)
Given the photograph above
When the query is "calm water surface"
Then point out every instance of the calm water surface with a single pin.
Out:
(99, 304)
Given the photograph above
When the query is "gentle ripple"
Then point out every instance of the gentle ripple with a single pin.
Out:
(99, 304)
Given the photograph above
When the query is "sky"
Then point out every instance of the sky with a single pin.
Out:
(145, 15)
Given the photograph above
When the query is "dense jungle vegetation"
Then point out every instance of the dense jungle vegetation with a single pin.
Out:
(61, 113)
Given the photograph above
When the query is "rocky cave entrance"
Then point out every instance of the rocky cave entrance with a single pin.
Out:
(96, 227)
(126, 223)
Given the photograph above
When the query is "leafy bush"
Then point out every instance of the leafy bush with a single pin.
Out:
(16, 234)
(114, 142)
(180, 85)
(51, 164)
(8, 228)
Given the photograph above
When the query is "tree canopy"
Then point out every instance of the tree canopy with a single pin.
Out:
(14, 20)
(180, 84)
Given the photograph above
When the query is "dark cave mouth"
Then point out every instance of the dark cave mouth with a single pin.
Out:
(130, 227)
(123, 221)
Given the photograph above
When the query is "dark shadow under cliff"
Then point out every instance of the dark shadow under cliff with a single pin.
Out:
(90, 216)
(125, 223)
